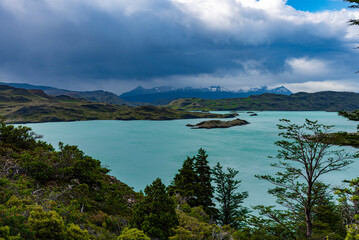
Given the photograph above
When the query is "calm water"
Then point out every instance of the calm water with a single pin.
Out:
(137, 152)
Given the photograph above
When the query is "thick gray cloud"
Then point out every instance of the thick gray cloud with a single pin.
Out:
(118, 44)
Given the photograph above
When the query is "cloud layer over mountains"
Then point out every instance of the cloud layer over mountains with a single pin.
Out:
(117, 44)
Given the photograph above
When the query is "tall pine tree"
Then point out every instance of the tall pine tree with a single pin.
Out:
(204, 190)
(155, 214)
(185, 182)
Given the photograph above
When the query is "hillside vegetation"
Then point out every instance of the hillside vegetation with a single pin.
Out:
(23, 106)
(320, 101)
(65, 189)
(67, 195)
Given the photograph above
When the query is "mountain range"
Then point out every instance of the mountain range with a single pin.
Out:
(164, 95)
(157, 95)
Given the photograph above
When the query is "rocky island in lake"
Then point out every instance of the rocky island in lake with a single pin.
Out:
(218, 124)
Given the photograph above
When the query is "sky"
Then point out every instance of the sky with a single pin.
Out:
(116, 45)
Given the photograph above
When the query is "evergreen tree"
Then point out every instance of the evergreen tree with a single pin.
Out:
(184, 183)
(230, 212)
(204, 190)
(155, 214)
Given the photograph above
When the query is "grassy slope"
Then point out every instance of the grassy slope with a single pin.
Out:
(321, 101)
(22, 106)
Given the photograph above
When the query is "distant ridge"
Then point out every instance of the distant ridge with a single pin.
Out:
(95, 96)
(19, 105)
(164, 95)
(319, 101)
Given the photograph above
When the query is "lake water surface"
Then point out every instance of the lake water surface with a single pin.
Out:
(137, 152)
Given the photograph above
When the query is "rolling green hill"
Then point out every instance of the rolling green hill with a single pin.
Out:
(320, 101)
(23, 106)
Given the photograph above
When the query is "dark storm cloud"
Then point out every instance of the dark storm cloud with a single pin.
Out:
(88, 43)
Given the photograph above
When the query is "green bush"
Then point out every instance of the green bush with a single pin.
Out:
(17, 137)
(352, 233)
(74, 232)
(14, 201)
(86, 170)
(15, 218)
(40, 171)
(133, 234)
(47, 225)
(5, 234)
(192, 228)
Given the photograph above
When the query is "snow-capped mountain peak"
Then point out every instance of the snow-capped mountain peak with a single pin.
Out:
(213, 92)
(282, 90)
(218, 89)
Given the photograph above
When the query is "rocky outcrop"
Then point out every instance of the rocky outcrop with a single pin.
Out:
(218, 124)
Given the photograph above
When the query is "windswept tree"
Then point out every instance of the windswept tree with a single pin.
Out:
(229, 199)
(303, 159)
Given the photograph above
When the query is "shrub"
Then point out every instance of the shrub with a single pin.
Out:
(14, 217)
(5, 234)
(47, 225)
(17, 137)
(133, 234)
(40, 171)
(74, 232)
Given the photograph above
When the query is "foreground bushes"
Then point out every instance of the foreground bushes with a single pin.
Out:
(48, 194)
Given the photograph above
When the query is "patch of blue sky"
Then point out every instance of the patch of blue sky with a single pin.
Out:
(317, 5)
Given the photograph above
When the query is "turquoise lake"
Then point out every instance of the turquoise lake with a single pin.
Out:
(137, 152)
